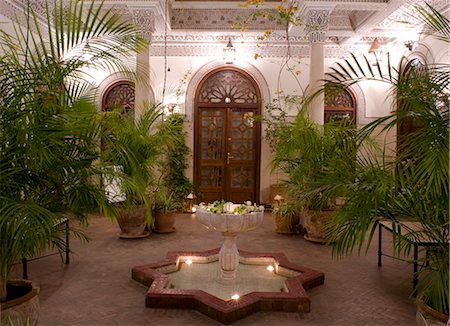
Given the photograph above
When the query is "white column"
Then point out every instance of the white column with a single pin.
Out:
(317, 26)
(316, 75)
(145, 20)
(142, 87)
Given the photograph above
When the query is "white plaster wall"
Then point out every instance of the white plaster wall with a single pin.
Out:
(376, 102)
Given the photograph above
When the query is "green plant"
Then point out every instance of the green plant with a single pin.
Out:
(49, 131)
(130, 151)
(173, 161)
(306, 152)
(287, 219)
(415, 184)
(165, 201)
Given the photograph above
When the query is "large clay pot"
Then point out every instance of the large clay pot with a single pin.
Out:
(427, 316)
(132, 222)
(288, 223)
(314, 223)
(22, 305)
(164, 222)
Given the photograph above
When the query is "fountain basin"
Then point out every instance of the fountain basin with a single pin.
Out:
(290, 297)
(230, 223)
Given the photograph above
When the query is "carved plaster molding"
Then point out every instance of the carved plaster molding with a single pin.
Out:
(220, 19)
(145, 20)
(248, 52)
(16, 11)
(317, 22)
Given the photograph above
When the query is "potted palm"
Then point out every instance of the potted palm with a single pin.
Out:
(49, 132)
(170, 193)
(414, 185)
(173, 161)
(165, 207)
(305, 156)
(130, 149)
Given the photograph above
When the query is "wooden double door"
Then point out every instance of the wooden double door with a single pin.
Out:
(227, 137)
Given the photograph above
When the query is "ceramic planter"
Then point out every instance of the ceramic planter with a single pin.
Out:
(23, 307)
(132, 222)
(164, 222)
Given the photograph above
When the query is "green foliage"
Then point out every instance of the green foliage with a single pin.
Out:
(173, 161)
(165, 201)
(413, 186)
(49, 130)
(306, 151)
(130, 151)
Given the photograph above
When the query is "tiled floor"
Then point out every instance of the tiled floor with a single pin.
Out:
(96, 287)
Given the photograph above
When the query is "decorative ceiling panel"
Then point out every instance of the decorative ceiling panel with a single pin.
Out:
(219, 19)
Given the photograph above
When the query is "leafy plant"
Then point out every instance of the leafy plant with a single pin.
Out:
(49, 131)
(164, 200)
(413, 185)
(173, 161)
(134, 146)
(306, 152)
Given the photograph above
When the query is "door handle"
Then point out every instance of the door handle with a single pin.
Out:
(229, 157)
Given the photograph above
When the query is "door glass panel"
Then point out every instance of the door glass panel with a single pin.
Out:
(242, 146)
(242, 150)
(211, 176)
(212, 123)
(242, 177)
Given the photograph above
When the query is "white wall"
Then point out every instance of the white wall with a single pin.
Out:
(376, 102)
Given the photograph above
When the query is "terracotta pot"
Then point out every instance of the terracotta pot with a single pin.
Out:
(314, 223)
(288, 224)
(132, 222)
(23, 306)
(164, 222)
(427, 316)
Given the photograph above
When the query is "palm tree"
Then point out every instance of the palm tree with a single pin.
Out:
(49, 130)
(415, 184)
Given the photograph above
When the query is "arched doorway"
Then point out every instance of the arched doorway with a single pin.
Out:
(227, 138)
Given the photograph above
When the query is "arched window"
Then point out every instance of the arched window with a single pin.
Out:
(119, 96)
(341, 106)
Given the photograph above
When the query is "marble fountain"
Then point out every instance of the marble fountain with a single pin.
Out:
(225, 283)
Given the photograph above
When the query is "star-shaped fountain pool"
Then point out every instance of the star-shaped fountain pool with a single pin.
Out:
(192, 280)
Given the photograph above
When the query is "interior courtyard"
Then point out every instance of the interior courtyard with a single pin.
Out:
(236, 82)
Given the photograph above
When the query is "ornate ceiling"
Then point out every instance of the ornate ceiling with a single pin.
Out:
(202, 28)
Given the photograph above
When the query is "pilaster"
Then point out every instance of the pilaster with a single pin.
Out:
(145, 20)
(317, 25)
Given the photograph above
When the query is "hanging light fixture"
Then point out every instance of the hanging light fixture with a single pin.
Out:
(375, 49)
(377, 52)
(229, 52)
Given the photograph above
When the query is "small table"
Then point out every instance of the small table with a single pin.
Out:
(412, 227)
(64, 221)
